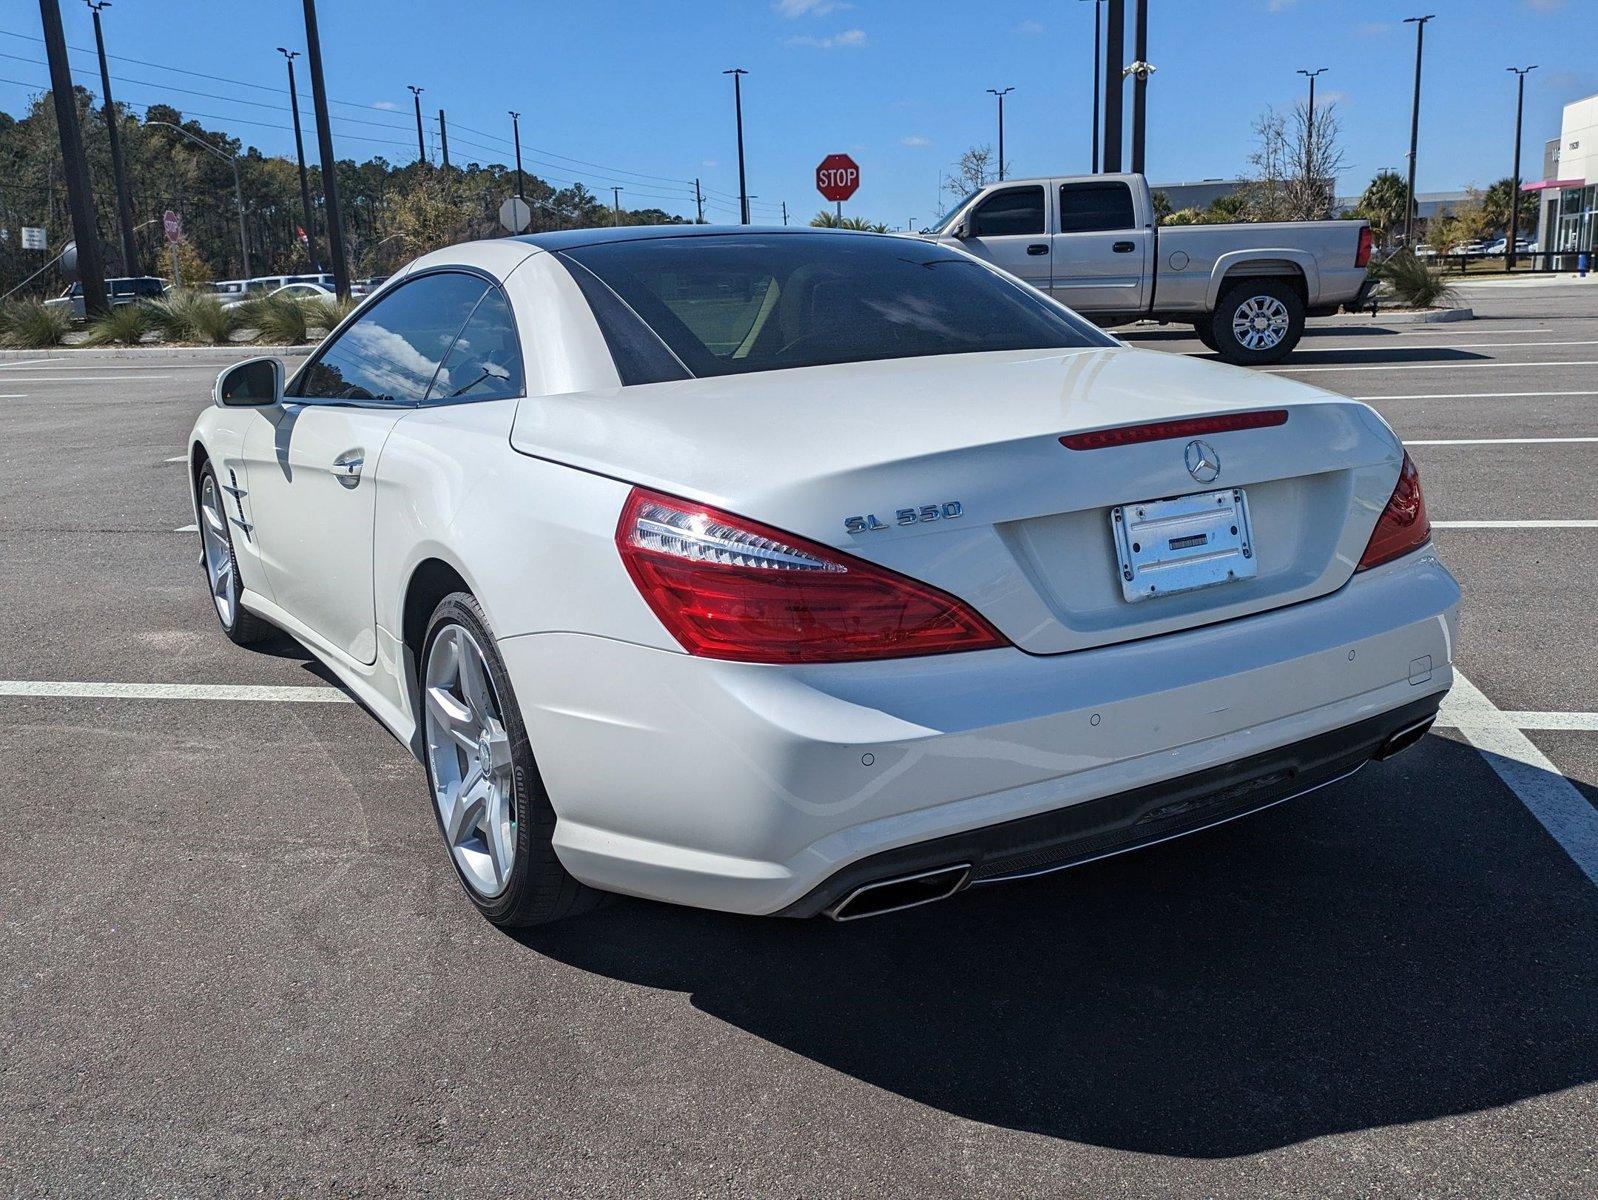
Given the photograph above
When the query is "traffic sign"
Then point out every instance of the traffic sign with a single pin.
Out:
(837, 177)
(33, 238)
(173, 224)
(515, 214)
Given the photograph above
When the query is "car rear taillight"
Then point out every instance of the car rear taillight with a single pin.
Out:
(1403, 525)
(730, 588)
(1362, 256)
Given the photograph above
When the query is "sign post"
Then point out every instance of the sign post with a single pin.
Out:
(173, 225)
(838, 178)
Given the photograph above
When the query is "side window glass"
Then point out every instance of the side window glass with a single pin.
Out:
(1094, 207)
(486, 361)
(1017, 212)
(391, 354)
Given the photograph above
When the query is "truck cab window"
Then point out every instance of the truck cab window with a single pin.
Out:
(1095, 207)
(1015, 212)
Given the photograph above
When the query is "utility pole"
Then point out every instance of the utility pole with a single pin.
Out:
(785, 212)
(421, 146)
(130, 252)
(1098, 38)
(516, 132)
(80, 200)
(443, 139)
(1514, 196)
(737, 74)
(1001, 96)
(1140, 70)
(699, 203)
(324, 140)
(615, 206)
(1114, 76)
(299, 153)
(1414, 128)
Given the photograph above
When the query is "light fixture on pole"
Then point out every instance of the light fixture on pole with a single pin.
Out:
(1414, 128)
(516, 132)
(1001, 95)
(1511, 245)
(737, 74)
(421, 146)
(299, 152)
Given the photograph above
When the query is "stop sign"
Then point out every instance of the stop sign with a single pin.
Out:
(173, 224)
(838, 177)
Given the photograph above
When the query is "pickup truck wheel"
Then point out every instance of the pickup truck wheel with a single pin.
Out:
(1205, 332)
(1257, 322)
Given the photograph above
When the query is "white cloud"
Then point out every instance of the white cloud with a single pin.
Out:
(1545, 5)
(848, 39)
(1031, 28)
(915, 141)
(385, 105)
(793, 9)
(1373, 29)
(709, 162)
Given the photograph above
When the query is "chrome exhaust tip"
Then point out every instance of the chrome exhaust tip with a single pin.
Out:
(905, 891)
(1405, 738)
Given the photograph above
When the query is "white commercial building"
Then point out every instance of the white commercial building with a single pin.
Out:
(1569, 184)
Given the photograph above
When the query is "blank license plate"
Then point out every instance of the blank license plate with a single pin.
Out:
(1169, 546)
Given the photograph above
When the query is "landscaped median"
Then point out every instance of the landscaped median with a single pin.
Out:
(177, 319)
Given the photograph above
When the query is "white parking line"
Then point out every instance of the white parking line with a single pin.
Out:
(1448, 366)
(65, 364)
(13, 396)
(196, 528)
(1475, 442)
(1515, 524)
(174, 691)
(1456, 332)
(178, 458)
(27, 362)
(1578, 721)
(1563, 811)
(85, 378)
(1460, 346)
(1473, 396)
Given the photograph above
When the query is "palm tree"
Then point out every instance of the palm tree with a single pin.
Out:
(1383, 202)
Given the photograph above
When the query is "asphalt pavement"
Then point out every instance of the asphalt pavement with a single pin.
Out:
(234, 958)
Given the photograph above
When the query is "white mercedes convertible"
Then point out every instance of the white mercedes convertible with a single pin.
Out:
(798, 572)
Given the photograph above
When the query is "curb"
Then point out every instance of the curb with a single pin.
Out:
(1428, 316)
(202, 353)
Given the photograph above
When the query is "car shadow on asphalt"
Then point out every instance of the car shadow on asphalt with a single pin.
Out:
(1404, 946)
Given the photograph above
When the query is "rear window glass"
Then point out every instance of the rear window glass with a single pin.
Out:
(766, 302)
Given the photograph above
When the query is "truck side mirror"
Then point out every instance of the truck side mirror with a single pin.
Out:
(254, 383)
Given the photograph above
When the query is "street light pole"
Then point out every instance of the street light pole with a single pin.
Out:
(1098, 38)
(324, 142)
(1414, 129)
(1114, 77)
(421, 146)
(615, 205)
(238, 193)
(443, 139)
(1140, 72)
(1309, 124)
(130, 253)
(299, 153)
(516, 132)
(737, 74)
(1514, 191)
(1001, 96)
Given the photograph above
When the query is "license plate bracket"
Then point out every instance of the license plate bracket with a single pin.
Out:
(1165, 547)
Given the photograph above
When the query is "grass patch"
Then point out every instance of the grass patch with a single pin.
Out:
(124, 325)
(29, 325)
(1414, 283)
(192, 317)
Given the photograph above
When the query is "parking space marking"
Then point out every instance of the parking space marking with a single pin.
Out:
(87, 378)
(196, 528)
(1460, 346)
(175, 691)
(1562, 810)
(178, 458)
(1447, 366)
(1531, 441)
(62, 364)
(1472, 396)
(1569, 721)
(1582, 524)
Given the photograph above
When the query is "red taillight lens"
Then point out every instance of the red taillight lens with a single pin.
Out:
(1403, 525)
(1159, 431)
(1362, 256)
(727, 587)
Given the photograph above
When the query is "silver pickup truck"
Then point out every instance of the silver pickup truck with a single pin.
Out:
(1091, 242)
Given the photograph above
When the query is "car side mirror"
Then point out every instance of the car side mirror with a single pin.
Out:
(962, 230)
(254, 383)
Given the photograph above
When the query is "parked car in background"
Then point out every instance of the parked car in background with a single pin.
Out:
(1522, 246)
(1474, 246)
(365, 287)
(1091, 242)
(1424, 250)
(120, 291)
(796, 571)
(305, 290)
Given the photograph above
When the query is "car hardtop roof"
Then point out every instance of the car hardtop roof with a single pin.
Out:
(570, 239)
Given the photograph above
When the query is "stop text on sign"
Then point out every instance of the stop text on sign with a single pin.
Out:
(838, 177)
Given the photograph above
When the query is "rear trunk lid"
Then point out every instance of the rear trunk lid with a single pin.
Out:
(951, 470)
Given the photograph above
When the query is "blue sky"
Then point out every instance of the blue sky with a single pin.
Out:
(635, 88)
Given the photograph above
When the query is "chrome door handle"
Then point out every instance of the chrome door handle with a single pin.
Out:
(347, 467)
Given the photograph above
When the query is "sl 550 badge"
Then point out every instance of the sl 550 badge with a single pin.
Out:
(869, 523)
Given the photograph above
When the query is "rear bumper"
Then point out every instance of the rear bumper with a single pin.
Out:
(753, 788)
(1081, 833)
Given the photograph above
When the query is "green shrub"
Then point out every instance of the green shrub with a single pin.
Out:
(192, 317)
(325, 313)
(124, 325)
(29, 325)
(1415, 283)
(278, 320)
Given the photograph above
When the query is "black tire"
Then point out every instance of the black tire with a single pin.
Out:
(1235, 298)
(245, 628)
(539, 889)
(1205, 333)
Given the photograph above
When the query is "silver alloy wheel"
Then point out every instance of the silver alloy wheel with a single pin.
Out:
(468, 752)
(1260, 323)
(218, 553)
